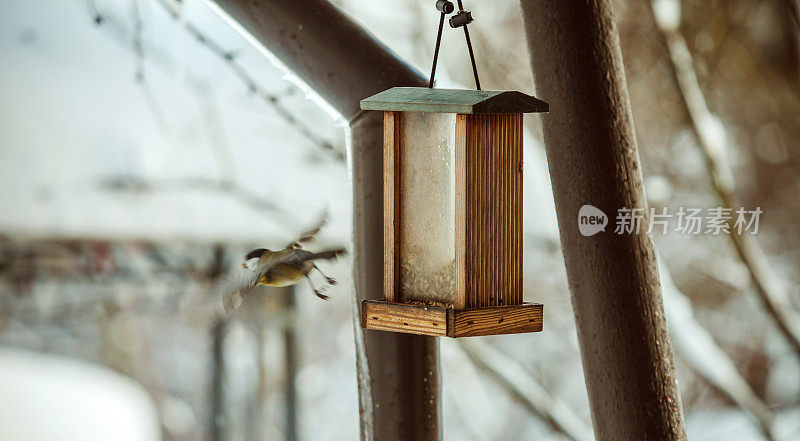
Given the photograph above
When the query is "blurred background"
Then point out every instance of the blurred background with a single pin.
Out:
(146, 146)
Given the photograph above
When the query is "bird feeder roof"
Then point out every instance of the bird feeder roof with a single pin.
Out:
(423, 99)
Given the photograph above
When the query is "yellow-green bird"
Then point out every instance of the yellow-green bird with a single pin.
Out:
(288, 266)
(284, 267)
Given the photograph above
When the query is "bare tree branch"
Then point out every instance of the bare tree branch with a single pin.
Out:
(173, 8)
(215, 130)
(523, 388)
(712, 142)
(200, 89)
(140, 75)
(236, 191)
(697, 347)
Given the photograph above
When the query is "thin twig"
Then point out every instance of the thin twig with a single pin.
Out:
(712, 142)
(199, 88)
(218, 139)
(238, 192)
(97, 17)
(523, 388)
(140, 76)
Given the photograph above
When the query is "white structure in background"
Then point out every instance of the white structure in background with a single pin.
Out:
(77, 400)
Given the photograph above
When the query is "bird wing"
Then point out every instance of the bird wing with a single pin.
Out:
(295, 256)
(310, 234)
(233, 291)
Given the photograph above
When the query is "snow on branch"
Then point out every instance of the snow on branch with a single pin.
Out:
(713, 143)
(173, 8)
(510, 375)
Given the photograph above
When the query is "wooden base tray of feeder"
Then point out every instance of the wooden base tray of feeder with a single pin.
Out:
(441, 321)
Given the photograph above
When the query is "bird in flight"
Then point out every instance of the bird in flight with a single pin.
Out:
(285, 267)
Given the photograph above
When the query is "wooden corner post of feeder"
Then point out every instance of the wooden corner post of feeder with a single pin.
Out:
(452, 213)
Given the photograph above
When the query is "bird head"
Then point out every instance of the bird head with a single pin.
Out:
(252, 257)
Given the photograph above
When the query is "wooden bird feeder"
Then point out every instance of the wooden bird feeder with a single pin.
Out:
(452, 213)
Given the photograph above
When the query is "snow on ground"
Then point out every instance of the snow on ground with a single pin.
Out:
(77, 400)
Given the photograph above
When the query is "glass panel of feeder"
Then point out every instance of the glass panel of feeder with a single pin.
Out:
(427, 207)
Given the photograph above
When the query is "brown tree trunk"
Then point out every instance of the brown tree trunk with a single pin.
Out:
(399, 391)
(613, 278)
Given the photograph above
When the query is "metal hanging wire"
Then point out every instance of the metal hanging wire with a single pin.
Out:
(460, 20)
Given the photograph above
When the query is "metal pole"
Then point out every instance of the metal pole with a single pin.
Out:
(404, 368)
(613, 278)
(290, 363)
(343, 63)
(217, 429)
(218, 331)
